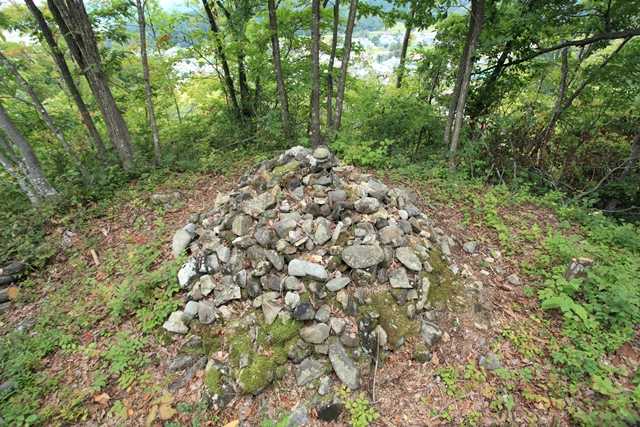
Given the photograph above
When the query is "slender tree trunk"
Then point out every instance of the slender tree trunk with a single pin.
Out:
(351, 20)
(475, 26)
(405, 45)
(484, 95)
(277, 67)
(564, 102)
(44, 114)
(148, 90)
(316, 137)
(63, 68)
(16, 171)
(332, 57)
(245, 93)
(222, 57)
(434, 83)
(32, 169)
(634, 157)
(75, 25)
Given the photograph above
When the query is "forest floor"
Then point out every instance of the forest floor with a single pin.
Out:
(87, 345)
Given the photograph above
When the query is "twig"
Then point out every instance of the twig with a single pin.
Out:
(375, 369)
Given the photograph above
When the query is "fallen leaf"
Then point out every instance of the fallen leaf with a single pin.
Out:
(166, 412)
(234, 423)
(102, 399)
(153, 414)
(12, 292)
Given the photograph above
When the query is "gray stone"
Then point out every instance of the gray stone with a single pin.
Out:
(349, 339)
(190, 310)
(337, 325)
(270, 308)
(187, 273)
(241, 225)
(299, 417)
(334, 285)
(175, 323)
(392, 235)
(323, 314)
(336, 196)
(308, 370)
(430, 333)
(321, 153)
(272, 282)
(181, 241)
(259, 204)
(265, 236)
(322, 231)
(315, 334)
(304, 311)
(362, 256)
(514, 279)
(226, 292)
(490, 361)
(470, 247)
(207, 313)
(398, 278)
(376, 189)
(325, 385)
(302, 268)
(206, 284)
(292, 299)
(275, 259)
(344, 367)
(367, 205)
(284, 226)
(408, 257)
(292, 283)
(224, 253)
(181, 362)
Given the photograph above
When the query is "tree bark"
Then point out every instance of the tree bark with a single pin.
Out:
(346, 54)
(316, 138)
(405, 45)
(148, 90)
(332, 57)
(557, 109)
(63, 68)
(9, 163)
(277, 67)
(222, 57)
(475, 26)
(44, 114)
(75, 25)
(31, 167)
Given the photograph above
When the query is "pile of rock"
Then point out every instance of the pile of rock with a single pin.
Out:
(310, 262)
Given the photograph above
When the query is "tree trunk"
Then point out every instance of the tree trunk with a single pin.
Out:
(405, 45)
(148, 90)
(245, 93)
(434, 83)
(332, 57)
(475, 26)
(63, 68)
(316, 138)
(351, 20)
(44, 115)
(32, 170)
(75, 25)
(222, 57)
(277, 67)
(14, 169)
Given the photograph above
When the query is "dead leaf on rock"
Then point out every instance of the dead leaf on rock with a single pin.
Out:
(234, 423)
(153, 414)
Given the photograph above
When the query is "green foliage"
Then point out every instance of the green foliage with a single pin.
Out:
(361, 411)
(370, 153)
(125, 358)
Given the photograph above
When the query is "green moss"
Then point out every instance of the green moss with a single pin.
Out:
(239, 345)
(212, 380)
(392, 317)
(280, 171)
(443, 285)
(211, 339)
(257, 375)
(282, 332)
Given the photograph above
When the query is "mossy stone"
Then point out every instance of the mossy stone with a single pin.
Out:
(391, 317)
(258, 375)
(212, 380)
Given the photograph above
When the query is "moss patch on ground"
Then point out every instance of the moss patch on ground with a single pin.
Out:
(392, 317)
(443, 284)
(257, 375)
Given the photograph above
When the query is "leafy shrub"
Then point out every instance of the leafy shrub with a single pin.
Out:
(363, 153)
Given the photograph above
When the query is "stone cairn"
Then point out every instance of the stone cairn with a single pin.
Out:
(311, 263)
